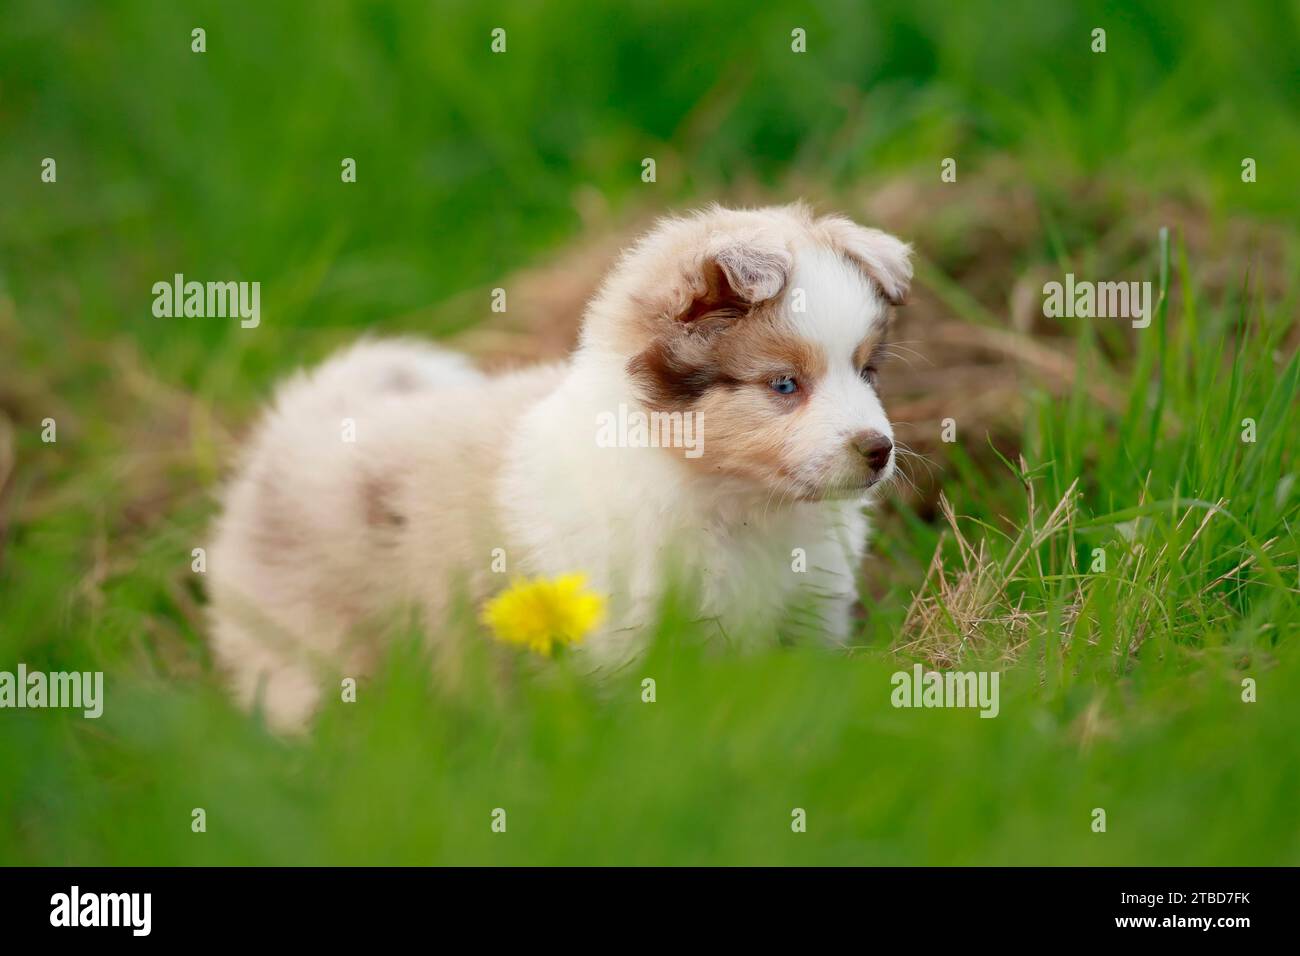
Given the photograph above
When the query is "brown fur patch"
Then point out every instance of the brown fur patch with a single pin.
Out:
(670, 377)
(676, 371)
(276, 534)
(400, 380)
(761, 349)
(377, 500)
(718, 300)
(745, 435)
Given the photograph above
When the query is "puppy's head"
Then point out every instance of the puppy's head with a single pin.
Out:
(769, 326)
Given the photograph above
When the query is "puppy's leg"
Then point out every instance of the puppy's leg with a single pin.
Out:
(833, 568)
(265, 674)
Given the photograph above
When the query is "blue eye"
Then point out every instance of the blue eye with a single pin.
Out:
(785, 385)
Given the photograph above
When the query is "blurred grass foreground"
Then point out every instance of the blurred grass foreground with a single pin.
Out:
(1159, 684)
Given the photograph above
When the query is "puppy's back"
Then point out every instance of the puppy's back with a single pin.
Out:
(367, 485)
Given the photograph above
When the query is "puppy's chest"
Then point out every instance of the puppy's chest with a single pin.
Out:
(747, 567)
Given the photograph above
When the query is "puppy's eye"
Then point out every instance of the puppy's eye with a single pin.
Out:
(870, 373)
(785, 385)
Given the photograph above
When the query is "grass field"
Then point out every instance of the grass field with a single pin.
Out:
(1122, 688)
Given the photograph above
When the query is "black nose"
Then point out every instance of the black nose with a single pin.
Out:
(875, 448)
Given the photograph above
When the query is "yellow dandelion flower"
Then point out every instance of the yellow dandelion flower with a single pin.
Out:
(542, 613)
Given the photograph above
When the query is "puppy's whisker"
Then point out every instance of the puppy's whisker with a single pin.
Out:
(894, 356)
(890, 348)
(905, 453)
(900, 474)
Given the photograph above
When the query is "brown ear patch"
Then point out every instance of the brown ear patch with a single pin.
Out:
(719, 300)
(735, 277)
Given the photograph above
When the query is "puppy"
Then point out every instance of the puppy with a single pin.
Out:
(395, 475)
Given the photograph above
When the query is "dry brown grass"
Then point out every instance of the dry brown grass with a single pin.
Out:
(969, 609)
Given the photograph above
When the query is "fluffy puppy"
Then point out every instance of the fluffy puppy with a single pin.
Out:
(394, 474)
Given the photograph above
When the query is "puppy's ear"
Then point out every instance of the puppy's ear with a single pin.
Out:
(731, 276)
(886, 260)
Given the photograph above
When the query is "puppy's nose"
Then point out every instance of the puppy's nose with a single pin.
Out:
(874, 447)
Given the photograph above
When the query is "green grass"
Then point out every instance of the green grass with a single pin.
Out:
(1121, 689)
